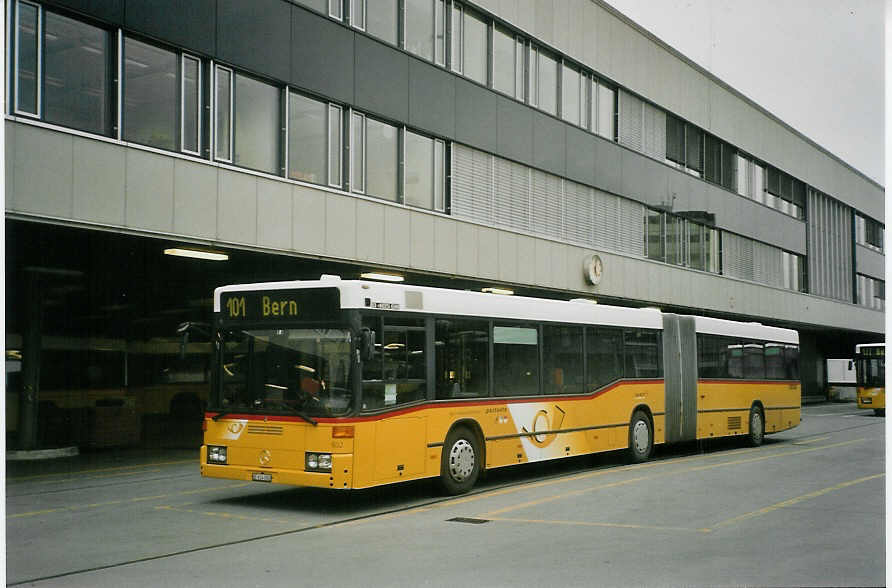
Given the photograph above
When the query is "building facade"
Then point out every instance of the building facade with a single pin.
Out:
(463, 144)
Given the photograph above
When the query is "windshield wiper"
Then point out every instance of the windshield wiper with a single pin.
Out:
(220, 415)
(307, 418)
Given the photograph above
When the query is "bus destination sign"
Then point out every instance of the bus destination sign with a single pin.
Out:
(312, 304)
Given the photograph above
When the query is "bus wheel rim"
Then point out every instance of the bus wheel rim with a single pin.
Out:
(757, 425)
(641, 436)
(461, 460)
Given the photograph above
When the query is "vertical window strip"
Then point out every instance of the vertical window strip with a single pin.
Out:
(223, 123)
(440, 32)
(185, 144)
(336, 9)
(439, 175)
(335, 147)
(119, 90)
(533, 94)
(457, 15)
(357, 159)
(518, 68)
(357, 14)
(38, 58)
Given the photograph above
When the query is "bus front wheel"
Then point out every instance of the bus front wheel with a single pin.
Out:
(460, 464)
(641, 439)
(757, 427)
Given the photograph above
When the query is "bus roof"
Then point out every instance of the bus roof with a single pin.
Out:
(424, 299)
(861, 346)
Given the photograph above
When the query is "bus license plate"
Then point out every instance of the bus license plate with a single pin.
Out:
(261, 477)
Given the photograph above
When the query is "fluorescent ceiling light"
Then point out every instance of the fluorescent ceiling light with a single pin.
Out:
(503, 291)
(382, 277)
(197, 254)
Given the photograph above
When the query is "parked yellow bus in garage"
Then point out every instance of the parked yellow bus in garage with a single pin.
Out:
(353, 384)
(870, 376)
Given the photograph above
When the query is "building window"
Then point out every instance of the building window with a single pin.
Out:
(246, 121)
(420, 28)
(871, 292)
(257, 108)
(869, 233)
(425, 162)
(62, 70)
(572, 95)
(381, 152)
(504, 62)
(381, 19)
(440, 32)
(684, 145)
(475, 55)
(543, 80)
(315, 135)
(455, 54)
(603, 109)
(151, 95)
(357, 146)
(655, 232)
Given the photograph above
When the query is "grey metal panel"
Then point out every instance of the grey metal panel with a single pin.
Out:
(431, 98)
(237, 208)
(40, 188)
(608, 165)
(830, 247)
(475, 115)
(549, 141)
(274, 212)
(186, 24)
(256, 35)
(308, 221)
(98, 182)
(369, 231)
(515, 130)
(870, 263)
(381, 76)
(422, 246)
(508, 259)
(643, 178)
(445, 245)
(322, 55)
(195, 200)
(111, 11)
(149, 191)
(340, 226)
(580, 156)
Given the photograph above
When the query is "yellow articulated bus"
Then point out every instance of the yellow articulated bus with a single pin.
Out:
(870, 376)
(351, 384)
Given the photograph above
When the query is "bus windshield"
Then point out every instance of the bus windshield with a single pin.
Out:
(305, 372)
(871, 372)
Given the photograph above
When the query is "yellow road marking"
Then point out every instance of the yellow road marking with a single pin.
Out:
(72, 475)
(793, 501)
(554, 497)
(128, 501)
(227, 515)
(592, 524)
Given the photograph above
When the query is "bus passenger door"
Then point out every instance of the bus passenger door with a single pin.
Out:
(680, 369)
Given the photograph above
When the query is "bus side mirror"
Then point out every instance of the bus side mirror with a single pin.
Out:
(366, 343)
(851, 365)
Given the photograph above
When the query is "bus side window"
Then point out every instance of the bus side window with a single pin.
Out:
(462, 358)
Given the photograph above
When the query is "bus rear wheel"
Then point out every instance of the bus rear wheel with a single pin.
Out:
(757, 427)
(641, 438)
(460, 463)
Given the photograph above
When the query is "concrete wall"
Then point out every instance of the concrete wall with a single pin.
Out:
(595, 35)
(76, 179)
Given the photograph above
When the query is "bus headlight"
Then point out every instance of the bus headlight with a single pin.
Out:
(318, 462)
(217, 454)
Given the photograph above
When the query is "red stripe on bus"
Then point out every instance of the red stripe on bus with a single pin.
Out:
(415, 408)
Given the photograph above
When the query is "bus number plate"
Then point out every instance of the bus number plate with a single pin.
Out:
(261, 477)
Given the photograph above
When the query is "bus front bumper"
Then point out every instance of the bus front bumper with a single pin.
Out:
(340, 476)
